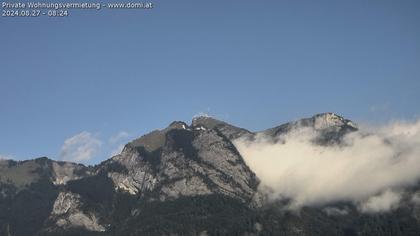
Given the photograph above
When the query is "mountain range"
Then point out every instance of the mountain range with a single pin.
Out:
(185, 179)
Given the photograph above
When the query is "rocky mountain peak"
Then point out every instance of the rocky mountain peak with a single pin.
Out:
(156, 139)
(228, 130)
(183, 161)
(178, 125)
(329, 126)
(329, 119)
(207, 122)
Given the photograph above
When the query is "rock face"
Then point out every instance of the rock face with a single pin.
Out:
(67, 213)
(183, 161)
(331, 127)
(181, 180)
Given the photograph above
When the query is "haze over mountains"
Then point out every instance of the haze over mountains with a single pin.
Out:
(315, 176)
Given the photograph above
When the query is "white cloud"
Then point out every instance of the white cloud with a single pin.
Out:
(118, 150)
(118, 137)
(384, 202)
(362, 168)
(117, 142)
(81, 147)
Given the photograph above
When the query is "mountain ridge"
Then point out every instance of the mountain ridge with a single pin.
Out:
(180, 180)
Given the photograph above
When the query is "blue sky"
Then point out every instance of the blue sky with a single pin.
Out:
(99, 75)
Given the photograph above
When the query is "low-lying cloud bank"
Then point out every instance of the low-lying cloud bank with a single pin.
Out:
(370, 170)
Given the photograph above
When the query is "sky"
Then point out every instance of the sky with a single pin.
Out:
(77, 88)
